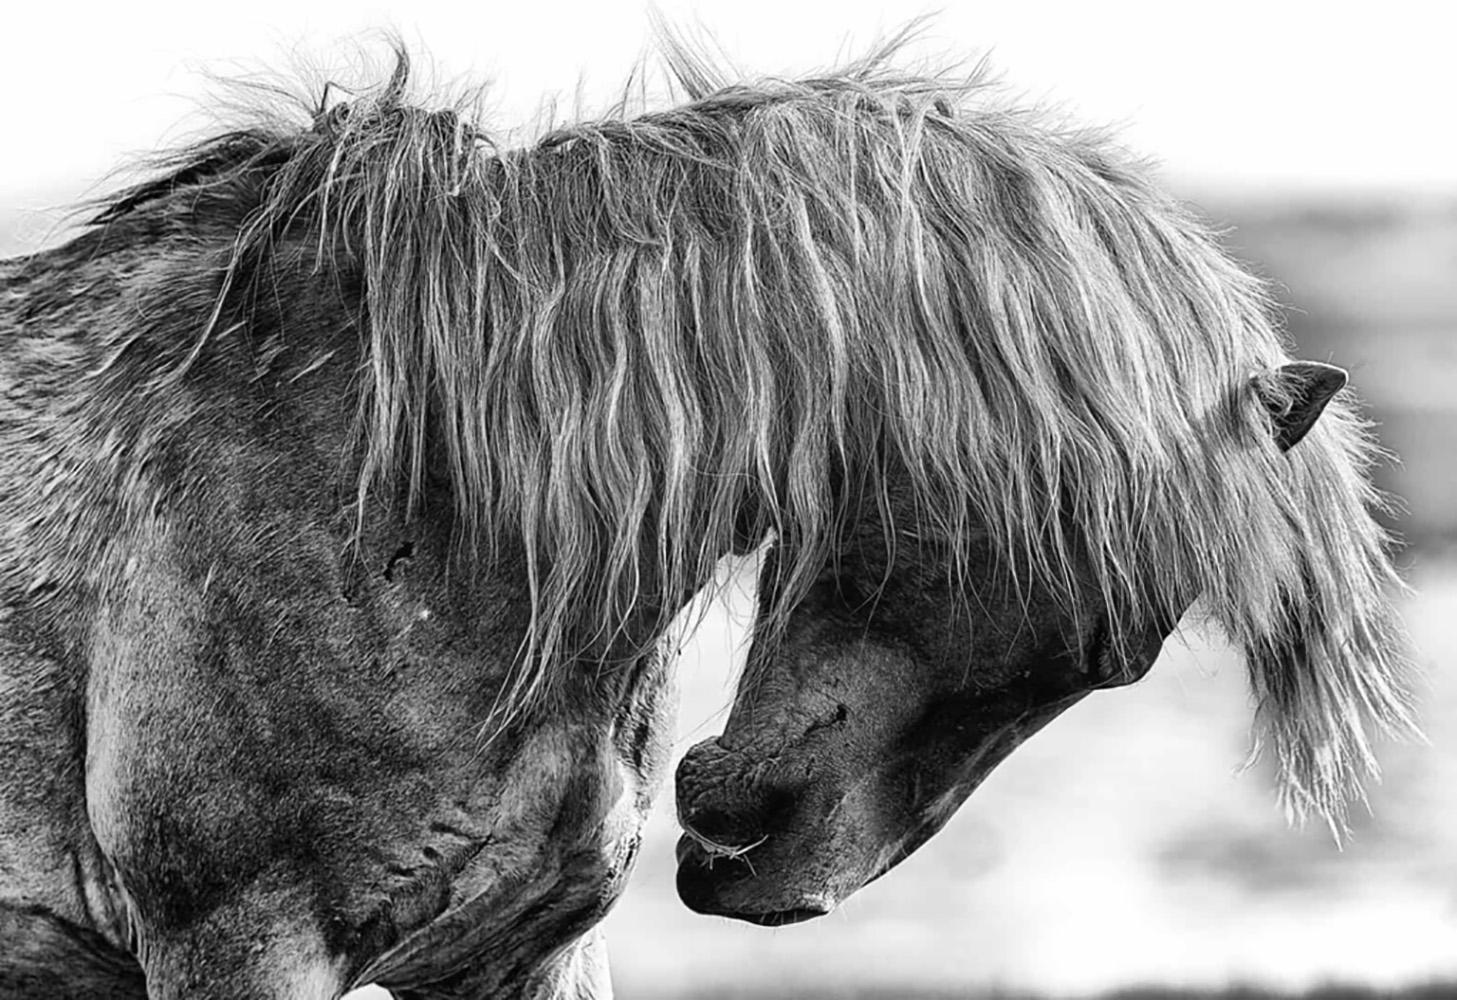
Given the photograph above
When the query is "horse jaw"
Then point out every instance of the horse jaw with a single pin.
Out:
(845, 830)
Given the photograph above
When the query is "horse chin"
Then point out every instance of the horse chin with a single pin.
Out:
(749, 887)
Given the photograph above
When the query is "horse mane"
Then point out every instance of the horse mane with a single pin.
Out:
(637, 339)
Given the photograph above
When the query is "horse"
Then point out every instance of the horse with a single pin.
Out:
(354, 467)
(1060, 417)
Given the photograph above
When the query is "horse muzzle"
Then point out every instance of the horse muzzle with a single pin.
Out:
(754, 843)
(729, 886)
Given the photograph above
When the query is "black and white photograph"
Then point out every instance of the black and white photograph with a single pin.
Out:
(705, 500)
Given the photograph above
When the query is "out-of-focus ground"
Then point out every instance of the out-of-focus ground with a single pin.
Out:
(1120, 848)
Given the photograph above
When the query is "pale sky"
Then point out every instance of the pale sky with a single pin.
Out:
(1261, 97)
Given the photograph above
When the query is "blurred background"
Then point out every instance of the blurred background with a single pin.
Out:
(1121, 850)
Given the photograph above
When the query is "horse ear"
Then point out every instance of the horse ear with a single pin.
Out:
(1295, 395)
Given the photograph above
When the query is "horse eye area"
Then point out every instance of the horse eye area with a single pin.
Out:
(1106, 662)
(1098, 660)
(851, 592)
(400, 558)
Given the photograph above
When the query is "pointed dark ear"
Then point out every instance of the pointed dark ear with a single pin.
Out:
(1295, 395)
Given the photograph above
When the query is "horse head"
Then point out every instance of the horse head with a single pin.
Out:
(894, 689)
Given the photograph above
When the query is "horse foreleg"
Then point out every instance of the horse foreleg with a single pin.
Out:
(257, 946)
(579, 972)
(43, 957)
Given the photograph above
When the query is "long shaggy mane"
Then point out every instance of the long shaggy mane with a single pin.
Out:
(638, 339)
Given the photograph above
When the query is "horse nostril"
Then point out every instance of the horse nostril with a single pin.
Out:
(717, 807)
(712, 825)
(720, 835)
